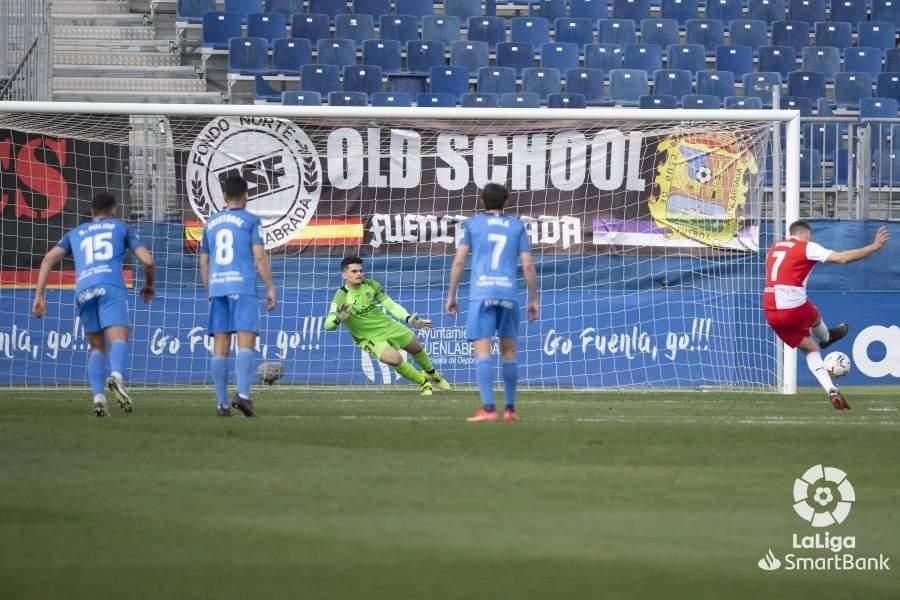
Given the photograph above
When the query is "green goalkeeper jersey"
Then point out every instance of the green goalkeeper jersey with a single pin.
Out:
(367, 320)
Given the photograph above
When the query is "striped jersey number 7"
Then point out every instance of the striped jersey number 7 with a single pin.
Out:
(498, 241)
(779, 257)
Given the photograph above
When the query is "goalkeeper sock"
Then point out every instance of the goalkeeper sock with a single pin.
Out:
(243, 371)
(484, 375)
(421, 357)
(118, 356)
(219, 368)
(407, 370)
(97, 371)
(821, 331)
(817, 366)
(510, 371)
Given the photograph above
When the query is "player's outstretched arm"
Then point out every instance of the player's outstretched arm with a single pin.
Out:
(338, 312)
(397, 311)
(204, 270)
(534, 305)
(146, 259)
(265, 271)
(56, 254)
(456, 271)
(849, 256)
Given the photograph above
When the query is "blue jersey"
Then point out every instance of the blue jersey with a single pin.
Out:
(496, 240)
(99, 249)
(228, 238)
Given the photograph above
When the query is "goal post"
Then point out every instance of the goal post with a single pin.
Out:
(649, 229)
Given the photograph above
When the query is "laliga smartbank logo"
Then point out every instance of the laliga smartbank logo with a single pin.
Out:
(823, 497)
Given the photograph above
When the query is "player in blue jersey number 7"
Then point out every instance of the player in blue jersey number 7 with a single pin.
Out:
(98, 248)
(231, 251)
(498, 243)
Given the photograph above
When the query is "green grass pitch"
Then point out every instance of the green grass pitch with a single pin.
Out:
(393, 496)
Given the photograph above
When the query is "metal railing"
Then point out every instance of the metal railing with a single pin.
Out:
(26, 50)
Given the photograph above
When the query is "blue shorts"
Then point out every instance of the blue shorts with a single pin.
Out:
(233, 313)
(489, 317)
(100, 307)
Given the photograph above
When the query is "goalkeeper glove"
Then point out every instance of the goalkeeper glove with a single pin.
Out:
(418, 322)
(343, 313)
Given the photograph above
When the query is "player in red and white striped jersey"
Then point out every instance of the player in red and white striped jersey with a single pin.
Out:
(789, 312)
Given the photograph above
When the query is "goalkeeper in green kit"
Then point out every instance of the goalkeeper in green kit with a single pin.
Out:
(358, 305)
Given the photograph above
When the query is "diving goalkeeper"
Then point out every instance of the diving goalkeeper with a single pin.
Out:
(358, 304)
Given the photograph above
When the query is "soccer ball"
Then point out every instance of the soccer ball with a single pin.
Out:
(837, 364)
(704, 174)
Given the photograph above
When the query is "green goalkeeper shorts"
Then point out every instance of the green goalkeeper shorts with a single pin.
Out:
(394, 336)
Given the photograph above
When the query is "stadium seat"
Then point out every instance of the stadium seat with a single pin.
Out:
(715, 83)
(269, 26)
(416, 8)
(680, 10)
(892, 60)
(402, 28)
(706, 32)
(534, 30)
(588, 9)
(888, 85)
(808, 84)
(487, 29)
(823, 137)
(566, 101)
(636, 10)
(804, 105)
(520, 100)
(384, 53)
(343, 98)
(687, 57)
(743, 102)
(808, 11)
(496, 80)
(264, 92)
(515, 54)
(863, 60)
(673, 82)
(616, 31)
(332, 8)
(440, 29)
(760, 85)
(310, 27)
(767, 10)
(819, 58)
(836, 35)
(362, 78)
(886, 168)
(244, 7)
(811, 168)
(358, 28)
(886, 10)
(541, 81)
(878, 108)
(449, 80)
(373, 8)
(323, 79)
(549, 9)
(422, 55)
(559, 56)
(248, 56)
(877, 34)
(336, 51)
(605, 57)
(647, 57)
(462, 9)
(735, 59)
(479, 101)
(791, 33)
(626, 86)
(700, 101)
(390, 99)
(588, 83)
(782, 59)
(724, 10)
(850, 88)
(657, 101)
(290, 54)
(191, 11)
(436, 100)
(296, 98)
(748, 33)
(218, 28)
(469, 54)
(849, 11)
(574, 31)
(662, 32)
(408, 83)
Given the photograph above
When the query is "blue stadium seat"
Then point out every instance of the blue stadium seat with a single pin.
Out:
(700, 101)
(540, 81)
(743, 102)
(391, 99)
(662, 32)
(515, 54)
(811, 168)
(559, 56)
(332, 8)
(767, 10)
(342, 98)
(748, 33)
(707, 32)
(218, 28)
(605, 57)
(320, 78)
(588, 83)
(886, 10)
(358, 28)
(449, 80)
(191, 11)
(534, 30)
(886, 169)
(888, 85)
(850, 88)
(823, 137)
(877, 34)
(384, 53)
(290, 54)
(310, 27)
(878, 108)
(588, 9)
(824, 59)
(469, 54)
(657, 101)
(487, 29)
(616, 31)
(243, 7)
(804, 105)
(808, 84)
(262, 91)
(673, 82)
(892, 60)
(808, 11)
(575, 31)
(626, 86)
(736, 59)
(647, 57)
(791, 33)
(269, 26)
(436, 100)
(297, 98)
(849, 11)
(680, 10)
(496, 80)
(549, 9)
(520, 100)
(402, 28)
(362, 78)
(760, 85)
(836, 35)
(422, 55)
(374, 8)
(440, 29)
(724, 10)
(636, 10)
(336, 51)
(416, 8)
(782, 59)
(688, 57)
(863, 60)
(566, 101)
(715, 83)
(408, 83)
(248, 56)
(462, 9)
(479, 101)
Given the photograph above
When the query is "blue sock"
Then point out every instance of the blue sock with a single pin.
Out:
(510, 371)
(97, 371)
(219, 367)
(484, 375)
(243, 371)
(118, 356)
